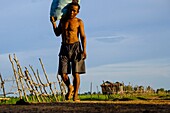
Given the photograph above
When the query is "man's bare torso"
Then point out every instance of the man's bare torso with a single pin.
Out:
(70, 30)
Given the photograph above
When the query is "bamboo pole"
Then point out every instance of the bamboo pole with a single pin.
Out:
(91, 86)
(62, 87)
(20, 76)
(32, 81)
(34, 85)
(37, 82)
(57, 93)
(28, 86)
(2, 85)
(55, 88)
(36, 78)
(31, 84)
(16, 77)
(47, 78)
(42, 85)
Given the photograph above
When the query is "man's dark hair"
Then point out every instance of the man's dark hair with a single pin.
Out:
(75, 4)
(75, 1)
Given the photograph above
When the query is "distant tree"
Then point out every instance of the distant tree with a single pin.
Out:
(161, 90)
(168, 91)
(94, 93)
(128, 88)
(99, 92)
(149, 89)
(135, 88)
(141, 89)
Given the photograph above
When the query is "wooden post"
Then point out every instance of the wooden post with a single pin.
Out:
(97, 91)
(47, 79)
(16, 77)
(34, 85)
(91, 90)
(36, 78)
(26, 81)
(37, 82)
(2, 85)
(62, 87)
(55, 88)
(31, 84)
(45, 92)
(20, 76)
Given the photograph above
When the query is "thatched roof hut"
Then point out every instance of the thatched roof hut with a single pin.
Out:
(111, 88)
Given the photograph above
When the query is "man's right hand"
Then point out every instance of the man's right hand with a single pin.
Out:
(53, 19)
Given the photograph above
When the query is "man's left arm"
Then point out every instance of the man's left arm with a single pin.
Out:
(83, 38)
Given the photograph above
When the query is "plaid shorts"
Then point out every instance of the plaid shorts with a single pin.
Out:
(70, 58)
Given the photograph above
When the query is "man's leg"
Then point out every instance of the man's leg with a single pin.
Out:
(76, 84)
(66, 79)
(70, 88)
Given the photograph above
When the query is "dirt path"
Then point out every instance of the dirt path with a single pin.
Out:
(91, 107)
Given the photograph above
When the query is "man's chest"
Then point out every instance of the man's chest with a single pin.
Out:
(70, 25)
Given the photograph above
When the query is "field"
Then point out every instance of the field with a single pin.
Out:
(149, 104)
(91, 107)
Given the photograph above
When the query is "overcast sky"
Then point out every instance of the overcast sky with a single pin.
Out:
(127, 40)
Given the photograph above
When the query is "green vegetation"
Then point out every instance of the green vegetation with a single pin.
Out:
(96, 97)
(125, 97)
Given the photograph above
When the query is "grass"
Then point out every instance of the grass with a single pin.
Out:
(94, 97)
(126, 97)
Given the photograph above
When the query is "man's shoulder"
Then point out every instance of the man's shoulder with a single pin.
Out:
(79, 19)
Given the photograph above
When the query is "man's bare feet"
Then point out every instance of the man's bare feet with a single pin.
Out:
(76, 99)
(70, 93)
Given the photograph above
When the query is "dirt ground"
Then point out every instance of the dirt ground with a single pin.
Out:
(91, 107)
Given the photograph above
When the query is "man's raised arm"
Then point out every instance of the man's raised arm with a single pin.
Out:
(57, 30)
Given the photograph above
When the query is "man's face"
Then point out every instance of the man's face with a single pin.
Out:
(73, 11)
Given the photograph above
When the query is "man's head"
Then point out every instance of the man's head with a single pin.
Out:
(74, 8)
(75, 1)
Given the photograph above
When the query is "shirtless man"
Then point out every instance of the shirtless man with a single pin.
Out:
(71, 55)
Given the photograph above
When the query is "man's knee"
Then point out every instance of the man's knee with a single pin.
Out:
(64, 77)
(76, 74)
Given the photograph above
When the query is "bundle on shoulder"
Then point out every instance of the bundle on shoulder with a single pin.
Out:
(59, 8)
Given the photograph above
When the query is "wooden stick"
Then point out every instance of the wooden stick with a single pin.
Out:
(62, 87)
(36, 78)
(16, 77)
(41, 82)
(42, 85)
(47, 78)
(2, 85)
(27, 83)
(20, 76)
(30, 87)
(37, 82)
(56, 90)
(31, 84)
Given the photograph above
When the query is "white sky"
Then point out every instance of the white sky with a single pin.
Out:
(128, 40)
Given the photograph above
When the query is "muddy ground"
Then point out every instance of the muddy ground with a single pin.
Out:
(91, 107)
